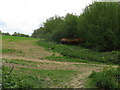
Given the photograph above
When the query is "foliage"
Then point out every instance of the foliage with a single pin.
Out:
(20, 34)
(67, 29)
(39, 33)
(15, 34)
(108, 78)
(97, 25)
(48, 27)
(5, 33)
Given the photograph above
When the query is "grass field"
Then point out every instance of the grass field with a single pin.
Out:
(34, 63)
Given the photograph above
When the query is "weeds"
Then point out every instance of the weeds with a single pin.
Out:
(107, 79)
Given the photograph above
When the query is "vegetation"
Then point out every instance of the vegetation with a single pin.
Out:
(78, 54)
(24, 73)
(20, 34)
(97, 25)
(5, 33)
(11, 51)
(35, 78)
(23, 62)
(15, 39)
(46, 30)
(15, 34)
(107, 79)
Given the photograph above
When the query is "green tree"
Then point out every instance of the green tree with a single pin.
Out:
(67, 29)
(99, 26)
(48, 27)
(5, 33)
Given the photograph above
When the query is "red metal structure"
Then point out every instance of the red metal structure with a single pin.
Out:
(71, 41)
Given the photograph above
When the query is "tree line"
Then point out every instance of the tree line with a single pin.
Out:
(98, 25)
(14, 34)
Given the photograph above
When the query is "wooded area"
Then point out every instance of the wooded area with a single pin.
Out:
(98, 25)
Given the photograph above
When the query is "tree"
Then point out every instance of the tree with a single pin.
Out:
(0, 32)
(20, 34)
(5, 33)
(67, 29)
(99, 26)
(48, 28)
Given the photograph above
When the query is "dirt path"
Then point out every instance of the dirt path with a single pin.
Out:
(79, 80)
(56, 62)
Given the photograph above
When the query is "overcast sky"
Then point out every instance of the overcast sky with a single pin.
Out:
(24, 16)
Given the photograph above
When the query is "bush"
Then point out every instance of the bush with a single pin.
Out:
(108, 78)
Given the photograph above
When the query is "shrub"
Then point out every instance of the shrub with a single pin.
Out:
(108, 78)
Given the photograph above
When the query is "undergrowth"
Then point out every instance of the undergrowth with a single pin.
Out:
(106, 79)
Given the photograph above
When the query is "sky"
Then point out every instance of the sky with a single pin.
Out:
(24, 16)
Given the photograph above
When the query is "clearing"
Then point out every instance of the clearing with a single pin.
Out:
(29, 63)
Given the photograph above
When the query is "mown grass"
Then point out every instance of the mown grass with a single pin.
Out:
(35, 78)
(15, 38)
(106, 79)
(67, 59)
(23, 62)
(77, 52)
(5, 50)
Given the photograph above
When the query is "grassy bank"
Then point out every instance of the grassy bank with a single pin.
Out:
(78, 54)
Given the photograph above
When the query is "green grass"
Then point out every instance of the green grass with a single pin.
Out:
(5, 50)
(77, 52)
(35, 78)
(23, 62)
(15, 38)
(67, 59)
(107, 79)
